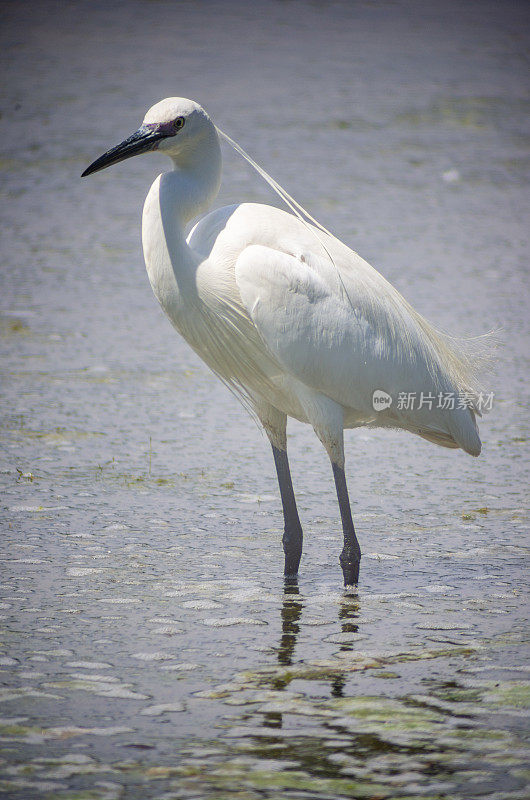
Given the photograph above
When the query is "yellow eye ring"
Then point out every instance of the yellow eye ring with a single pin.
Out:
(179, 122)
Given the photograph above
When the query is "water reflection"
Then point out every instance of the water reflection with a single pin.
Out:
(291, 614)
(291, 611)
(363, 742)
(348, 613)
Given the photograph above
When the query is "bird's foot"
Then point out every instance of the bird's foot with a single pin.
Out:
(291, 566)
(350, 561)
(292, 547)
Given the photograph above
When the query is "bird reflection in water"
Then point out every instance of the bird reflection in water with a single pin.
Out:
(348, 614)
(291, 613)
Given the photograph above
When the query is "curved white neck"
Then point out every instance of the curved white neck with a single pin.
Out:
(175, 198)
(192, 186)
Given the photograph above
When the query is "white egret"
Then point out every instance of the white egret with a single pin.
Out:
(290, 318)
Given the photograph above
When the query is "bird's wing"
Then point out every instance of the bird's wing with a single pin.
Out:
(319, 336)
(344, 334)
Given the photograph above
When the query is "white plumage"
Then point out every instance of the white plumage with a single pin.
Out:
(285, 314)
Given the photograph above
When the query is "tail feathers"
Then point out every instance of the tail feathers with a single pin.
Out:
(463, 433)
(460, 363)
(442, 439)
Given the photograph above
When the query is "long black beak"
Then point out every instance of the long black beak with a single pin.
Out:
(142, 140)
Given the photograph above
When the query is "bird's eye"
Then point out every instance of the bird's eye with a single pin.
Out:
(179, 122)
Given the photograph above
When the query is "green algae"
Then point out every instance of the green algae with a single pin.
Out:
(387, 675)
(8, 731)
(56, 436)
(332, 669)
(13, 326)
(302, 781)
(509, 693)
(231, 776)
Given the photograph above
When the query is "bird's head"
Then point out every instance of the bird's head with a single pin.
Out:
(174, 126)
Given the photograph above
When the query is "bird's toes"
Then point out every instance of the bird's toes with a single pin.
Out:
(350, 561)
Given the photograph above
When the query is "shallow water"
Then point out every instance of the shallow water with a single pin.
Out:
(150, 648)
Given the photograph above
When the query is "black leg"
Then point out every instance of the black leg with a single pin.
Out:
(351, 554)
(292, 537)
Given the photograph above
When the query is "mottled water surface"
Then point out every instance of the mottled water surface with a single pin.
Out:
(150, 648)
